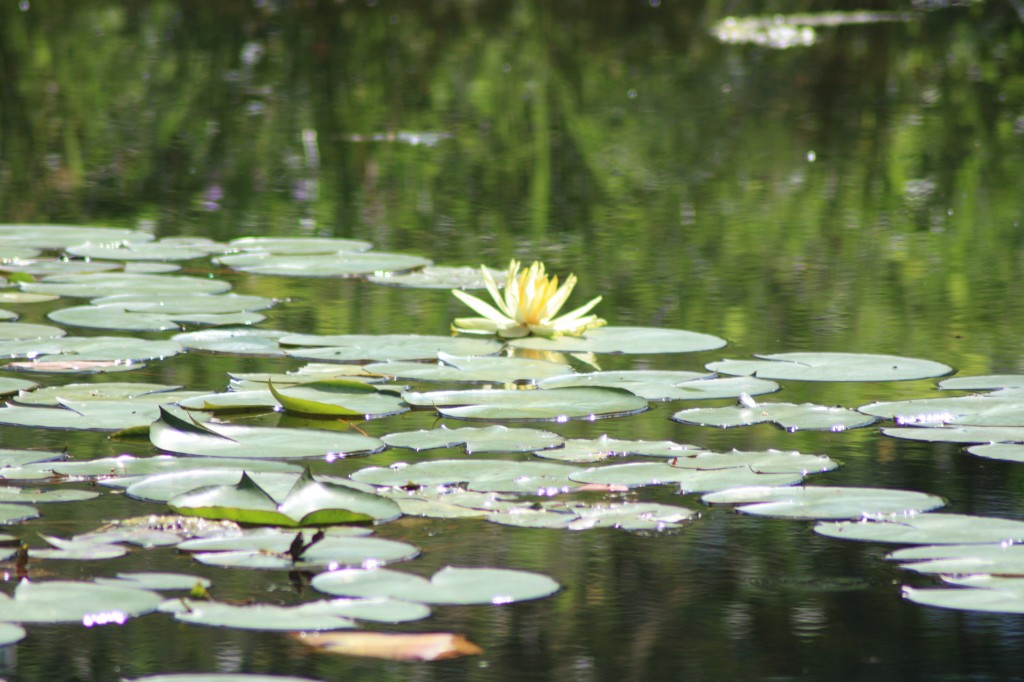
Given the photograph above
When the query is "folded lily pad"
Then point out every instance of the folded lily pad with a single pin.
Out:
(65, 601)
(275, 480)
(556, 404)
(495, 438)
(624, 340)
(832, 367)
(789, 416)
(385, 347)
(450, 585)
(824, 502)
(927, 529)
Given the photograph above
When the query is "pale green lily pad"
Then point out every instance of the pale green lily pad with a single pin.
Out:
(987, 382)
(636, 474)
(160, 530)
(259, 400)
(176, 431)
(298, 245)
(35, 496)
(789, 416)
(630, 516)
(268, 474)
(450, 585)
(20, 331)
(832, 367)
(556, 404)
(246, 341)
(385, 347)
(587, 450)
(941, 410)
(331, 552)
(1010, 452)
(8, 315)
(761, 462)
(11, 633)
(53, 237)
(341, 264)
(149, 268)
(13, 252)
(109, 283)
(80, 392)
(625, 340)
(958, 434)
(124, 470)
(338, 397)
(476, 472)
(309, 502)
(17, 458)
(667, 385)
(968, 599)
(89, 549)
(161, 313)
(90, 349)
(22, 297)
(1000, 559)
(318, 615)
(139, 251)
(488, 369)
(824, 502)
(314, 371)
(13, 513)
(495, 438)
(10, 386)
(927, 529)
(440, 277)
(61, 601)
(87, 415)
(156, 581)
(50, 267)
(269, 540)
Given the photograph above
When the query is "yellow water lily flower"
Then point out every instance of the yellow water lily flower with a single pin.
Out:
(528, 306)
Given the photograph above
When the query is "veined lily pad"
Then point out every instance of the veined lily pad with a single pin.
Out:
(244, 341)
(439, 277)
(495, 438)
(832, 367)
(340, 264)
(958, 434)
(176, 431)
(824, 502)
(585, 450)
(667, 385)
(556, 404)
(577, 516)
(927, 529)
(338, 397)
(625, 340)
(13, 513)
(21, 331)
(968, 599)
(309, 502)
(358, 347)
(489, 369)
(61, 601)
(689, 480)
(789, 416)
(298, 245)
(448, 586)
(11, 633)
(52, 237)
(110, 283)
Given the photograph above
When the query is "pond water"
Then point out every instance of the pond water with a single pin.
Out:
(862, 194)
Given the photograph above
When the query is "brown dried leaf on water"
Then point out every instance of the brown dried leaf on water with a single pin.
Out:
(427, 646)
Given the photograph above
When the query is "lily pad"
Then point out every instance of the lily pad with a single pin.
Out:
(21, 331)
(450, 585)
(91, 348)
(53, 237)
(94, 285)
(940, 410)
(16, 458)
(1000, 559)
(824, 502)
(789, 416)
(340, 264)
(338, 397)
(636, 474)
(988, 382)
(585, 450)
(667, 385)
(832, 367)
(495, 438)
(123, 470)
(968, 599)
(13, 513)
(761, 462)
(439, 277)
(957, 434)
(1010, 452)
(478, 473)
(17, 494)
(927, 529)
(11, 633)
(556, 404)
(270, 475)
(176, 431)
(630, 516)
(136, 251)
(625, 340)
(156, 581)
(88, 415)
(329, 553)
(318, 615)
(385, 347)
(80, 392)
(61, 601)
(10, 386)
(298, 245)
(90, 549)
(48, 267)
(244, 341)
(503, 370)
(159, 313)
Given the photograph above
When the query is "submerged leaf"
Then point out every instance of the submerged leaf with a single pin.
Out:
(426, 646)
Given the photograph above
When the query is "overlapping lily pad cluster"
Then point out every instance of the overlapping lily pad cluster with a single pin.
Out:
(238, 495)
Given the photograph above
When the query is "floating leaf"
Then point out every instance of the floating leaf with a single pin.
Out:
(969, 599)
(94, 285)
(556, 404)
(420, 646)
(60, 601)
(340, 264)
(584, 450)
(666, 385)
(89, 415)
(762, 462)
(338, 397)
(930, 411)
(245, 341)
(957, 434)
(503, 370)
(140, 312)
(55, 237)
(440, 277)
(298, 245)
(21, 331)
(625, 340)
(123, 470)
(983, 383)
(156, 581)
(11, 633)
(136, 251)
(13, 513)
(327, 553)
(10, 386)
(689, 480)
(1010, 452)
(54, 395)
(88, 549)
(451, 471)
(36, 496)
(495, 438)
(17, 458)
(318, 615)
(385, 347)
(450, 585)
(787, 415)
(824, 502)
(631, 516)
(91, 348)
(832, 367)
(927, 529)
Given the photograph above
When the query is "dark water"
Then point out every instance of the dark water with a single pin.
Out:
(862, 194)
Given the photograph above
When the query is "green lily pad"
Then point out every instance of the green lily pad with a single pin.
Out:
(94, 285)
(789, 416)
(87, 415)
(636, 474)
(298, 245)
(439, 277)
(986, 382)
(630, 516)
(13, 513)
(244, 341)
(163, 486)
(385, 347)
(761, 462)
(556, 404)
(11, 633)
(476, 472)
(318, 615)
(124, 470)
(1010, 452)
(667, 385)
(8, 315)
(49, 267)
(261, 400)
(22, 297)
(957, 434)
(81, 392)
(177, 432)
(331, 552)
(77, 550)
(448, 586)
(35, 496)
(136, 251)
(968, 599)
(90, 349)
(495, 438)
(10, 386)
(832, 367)
(16, 458)
(586, 450)
(61, 601)
(270, 540)
(156, 581)
(338, 397)
(1000, 559)
(941, 410)
(54, 237)
(309, 502)
(824, 502)
(927, 529)
(341, 264)
(503, 370)
(21, 331)
(160, 313)
(625, 340)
